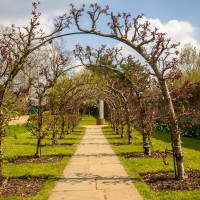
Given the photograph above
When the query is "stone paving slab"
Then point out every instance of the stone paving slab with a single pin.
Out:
(125, 194)
(74, 168)
(71, 184)
(94, 173)
(111, 184)
(108, 170)
(78, 195)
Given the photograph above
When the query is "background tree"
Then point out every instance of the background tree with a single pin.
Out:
(49, 67)
(190, 63)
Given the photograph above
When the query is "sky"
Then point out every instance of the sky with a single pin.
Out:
(179, 19)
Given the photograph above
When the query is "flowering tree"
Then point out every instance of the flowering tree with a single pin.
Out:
(131, 81)
(16, 45)
(159, 53)
(144, 103)
(49, 66)
(54, 119)
(157, 50)
(116, 109)
(120, 90)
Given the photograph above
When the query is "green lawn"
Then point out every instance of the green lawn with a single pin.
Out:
(87, 120)
(19, 142)
(134, 166)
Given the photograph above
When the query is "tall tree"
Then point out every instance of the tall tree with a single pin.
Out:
(16, 44)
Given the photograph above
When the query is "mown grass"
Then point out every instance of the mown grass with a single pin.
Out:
(135, 166)
(87, 120)
(19, 142)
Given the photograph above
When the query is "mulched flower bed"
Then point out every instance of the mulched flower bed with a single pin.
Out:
(65, 144)
(122, 144)
(21, 187)
(155, 154)
(32, 159)
(166, 181)
(56, 145)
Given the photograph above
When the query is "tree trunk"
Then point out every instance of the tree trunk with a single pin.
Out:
(145, 133)
(146, 143)
(111, 121)
(73, 128)
(178, 154)
(129, 131)
(1, 145)
(176, 133)
(62, 128)
(117, 128)
(111, 124)
(122, 131)
(39, 138)
(38, 148)
(114, 126)
(40, 116)
(54, 140)
(68, 129)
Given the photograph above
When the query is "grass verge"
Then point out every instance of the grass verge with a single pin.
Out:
(19, 142)
(135, 166)
(87, 120)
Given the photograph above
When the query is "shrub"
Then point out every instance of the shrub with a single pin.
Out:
(191, 131)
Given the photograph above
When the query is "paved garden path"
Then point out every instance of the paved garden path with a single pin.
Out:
(19, 120)
(94, 173)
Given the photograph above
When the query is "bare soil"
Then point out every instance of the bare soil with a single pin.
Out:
(155, 154)
(32, 159)
(62, 144)
(165, 181)
(20, 187)
(122, 144)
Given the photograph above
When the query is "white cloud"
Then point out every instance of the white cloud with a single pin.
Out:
(46, 23)
(78, 66)
(178, 31)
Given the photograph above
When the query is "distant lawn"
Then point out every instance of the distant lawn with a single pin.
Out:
(134, 166)
(88, 120)
(19, 142)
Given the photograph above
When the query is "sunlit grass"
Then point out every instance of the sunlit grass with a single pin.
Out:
(87, 120)
(135, 166)
(19, 142)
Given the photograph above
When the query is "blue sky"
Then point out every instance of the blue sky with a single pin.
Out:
(165, 10)
(180, 19)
